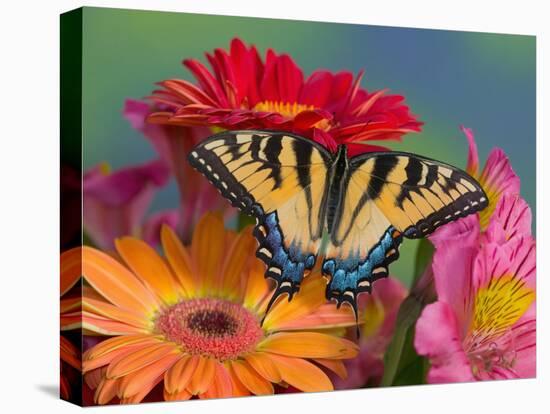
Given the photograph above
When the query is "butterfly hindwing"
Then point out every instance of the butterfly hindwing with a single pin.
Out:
(280, 179)
(387, 196)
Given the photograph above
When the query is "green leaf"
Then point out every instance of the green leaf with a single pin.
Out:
(424, 255)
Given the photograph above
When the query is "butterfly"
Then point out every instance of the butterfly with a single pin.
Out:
(354, 211)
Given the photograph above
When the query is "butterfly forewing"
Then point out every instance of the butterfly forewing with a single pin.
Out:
(281, 179)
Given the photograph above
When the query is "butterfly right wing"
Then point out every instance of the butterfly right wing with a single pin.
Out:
(281, 179)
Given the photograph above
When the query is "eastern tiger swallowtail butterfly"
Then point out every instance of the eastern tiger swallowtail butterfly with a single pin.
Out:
(355, 211)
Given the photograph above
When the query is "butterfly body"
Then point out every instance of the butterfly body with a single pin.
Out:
(354, 211)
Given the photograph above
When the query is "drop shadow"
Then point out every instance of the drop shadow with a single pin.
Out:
(51, 390)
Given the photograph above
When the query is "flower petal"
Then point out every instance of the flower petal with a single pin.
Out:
(149, 267)
(179, 259)
(511, 218)
(183, 395)
(203, 377)
(151, 228)
(134, 382)
(264, 365)
(207, 249)
(335, 365)
(222, 384)
(239, 255)
(256, 286)
(307, 300)
(324, 317)
(255, 383)
(115, 313)
(116, 283)
(443, 345)
(105, 326)
(71, 269)
(302, 374)
(141, 358)
(472, 166)
(106, 391)
(308, 345)
(179, 375)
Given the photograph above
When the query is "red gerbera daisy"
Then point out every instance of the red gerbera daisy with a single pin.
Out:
(244, 92)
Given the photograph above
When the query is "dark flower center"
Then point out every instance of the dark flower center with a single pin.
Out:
(212, 322)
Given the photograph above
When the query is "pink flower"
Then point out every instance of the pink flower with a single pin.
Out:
(483, 325)
(496, 178)
(173, 144)
(379, 311)
(242, 91)
(115, 203)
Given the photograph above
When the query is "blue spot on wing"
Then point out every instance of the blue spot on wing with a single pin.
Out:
(352, 275)
(286, 265)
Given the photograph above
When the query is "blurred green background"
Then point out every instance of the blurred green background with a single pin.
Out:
(449, 78)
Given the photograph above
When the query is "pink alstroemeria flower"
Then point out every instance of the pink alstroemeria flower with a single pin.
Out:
(173, 144)
(483, 325)
(379, 311)
(115, 203)
(244, 91)
(496, 178)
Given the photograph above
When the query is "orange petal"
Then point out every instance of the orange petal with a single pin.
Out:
(310, 297)
(256, 286)
(264, 366)
(308, 345)
(207, 249)
(117, 342)
(221, 386)
(179, 375)
(104, 326)
(94, 377)
(115, 313)
(253, 381)
(105, 391)
(179, 259)
(335, 365)
(71, 269)
(116, 283)
(134, 383)
(68, 353)
(149, 267)
(326, 316)
(203, 376)
(183, 395)
(239, 390)
(89, 363)
(302, 374)
(145, 389)
(69, 304)
(70, 320)
(238, 257)
(125, 364)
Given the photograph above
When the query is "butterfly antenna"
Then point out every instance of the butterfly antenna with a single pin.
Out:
(356, 314)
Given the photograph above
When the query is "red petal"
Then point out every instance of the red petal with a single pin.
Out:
(206, 80)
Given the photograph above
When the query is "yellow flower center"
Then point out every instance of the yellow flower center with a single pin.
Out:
(497, 307)
(289, 110)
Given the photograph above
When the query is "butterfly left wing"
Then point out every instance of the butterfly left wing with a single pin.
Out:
(280, 179)
(387, 196)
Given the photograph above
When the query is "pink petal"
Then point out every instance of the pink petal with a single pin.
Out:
(511, 218)
(452, 267)
(437, 337)
(498, 175)
(150, 232)
(115, 204)
(463, 232)
(472, 166)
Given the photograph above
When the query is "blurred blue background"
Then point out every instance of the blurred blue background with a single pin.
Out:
(449, 78)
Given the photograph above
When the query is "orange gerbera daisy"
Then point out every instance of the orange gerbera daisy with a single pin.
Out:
(192, 321)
